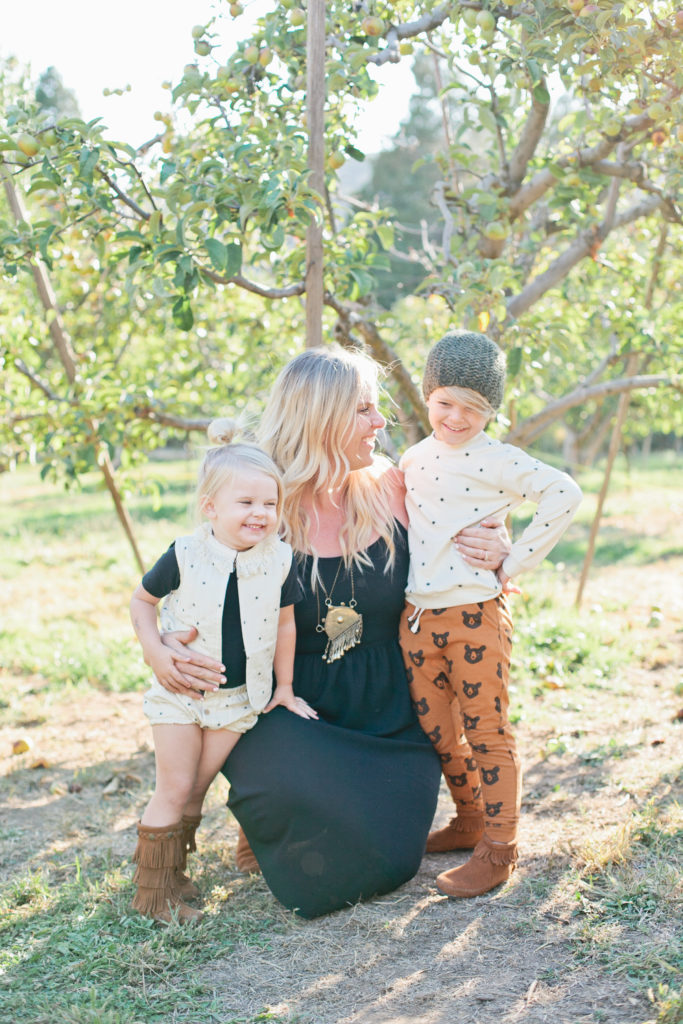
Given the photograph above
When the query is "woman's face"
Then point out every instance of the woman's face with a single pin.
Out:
(359, 447)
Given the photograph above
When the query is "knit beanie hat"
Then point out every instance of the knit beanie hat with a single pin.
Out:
(466, 360)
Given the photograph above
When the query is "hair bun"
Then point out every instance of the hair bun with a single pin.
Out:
(223, 430)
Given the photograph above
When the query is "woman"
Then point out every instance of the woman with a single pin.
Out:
(339, 809)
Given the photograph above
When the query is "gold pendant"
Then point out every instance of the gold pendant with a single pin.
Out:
(344, 627)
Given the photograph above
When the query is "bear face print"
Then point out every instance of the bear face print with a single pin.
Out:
(440, 681)
(471, 620)
(417, 657)
(445, 758)
(470, 764)
(458, 780)
(421, 706)
(473, 655)
(470, 721)
(480, 748)
(490, 775)
(440, 639)
(493, 810)
(435, 734)
(496, 704)
(470, 689)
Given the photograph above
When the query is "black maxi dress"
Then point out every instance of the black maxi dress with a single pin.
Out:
(338, 810)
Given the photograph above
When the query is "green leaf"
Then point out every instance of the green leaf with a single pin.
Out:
(182, 313)
(167, 169)
(514, 361)
(233, 263)
(217, 253)
(355, 154)
(541, 94)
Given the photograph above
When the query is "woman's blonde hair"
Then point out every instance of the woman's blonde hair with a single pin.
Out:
(224, 462)
(309, 417)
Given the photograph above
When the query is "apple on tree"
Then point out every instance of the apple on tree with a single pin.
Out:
(28, 145)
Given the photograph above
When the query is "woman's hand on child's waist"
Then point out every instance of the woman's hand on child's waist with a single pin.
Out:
(486, 545)
(197, 671)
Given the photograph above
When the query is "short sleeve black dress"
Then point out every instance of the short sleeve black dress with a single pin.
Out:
(338, 809)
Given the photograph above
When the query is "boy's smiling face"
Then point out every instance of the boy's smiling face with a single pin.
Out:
(453, 422)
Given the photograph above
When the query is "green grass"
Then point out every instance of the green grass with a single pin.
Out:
(629, 898)
(73, 951)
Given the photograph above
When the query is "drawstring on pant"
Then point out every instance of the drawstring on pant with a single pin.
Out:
(414, 620)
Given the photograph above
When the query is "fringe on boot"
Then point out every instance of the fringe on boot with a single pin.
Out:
(245, 858)
(489, 866)
(157, 855)
(186, 887)
(462, 832)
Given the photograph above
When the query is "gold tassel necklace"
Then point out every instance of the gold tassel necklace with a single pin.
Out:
(342, 624)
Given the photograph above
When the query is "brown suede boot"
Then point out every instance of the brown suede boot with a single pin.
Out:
(244, 855)
(157, 856)
(187, 890)
(462, 832)
(489, 865)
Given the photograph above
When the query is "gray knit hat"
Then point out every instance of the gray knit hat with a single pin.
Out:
(466, 360)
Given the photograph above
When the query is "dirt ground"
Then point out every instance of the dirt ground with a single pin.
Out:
(412, 955)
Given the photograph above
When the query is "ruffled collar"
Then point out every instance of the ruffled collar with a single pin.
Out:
(250, 562)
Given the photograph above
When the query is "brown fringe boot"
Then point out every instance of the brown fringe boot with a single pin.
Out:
(489, 865)
(187, 890)
(461, 833)
(157, 855)
(245, 858)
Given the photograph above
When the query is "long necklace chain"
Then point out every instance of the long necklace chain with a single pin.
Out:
(342, 623)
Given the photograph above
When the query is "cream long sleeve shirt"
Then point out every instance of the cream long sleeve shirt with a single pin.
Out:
(450, 487)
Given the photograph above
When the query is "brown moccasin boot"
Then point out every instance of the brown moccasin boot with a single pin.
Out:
(157, 856)
(461, 833)
(245, 858)
(187, 890)
(489, 866)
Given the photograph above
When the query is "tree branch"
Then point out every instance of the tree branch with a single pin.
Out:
(531, 135)
(36, 381)
(167, 419)
(251, 286)
(427, 23)
(582, 246)
(130, 203)
(532, 427)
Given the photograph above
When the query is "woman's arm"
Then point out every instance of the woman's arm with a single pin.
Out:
(161, 659)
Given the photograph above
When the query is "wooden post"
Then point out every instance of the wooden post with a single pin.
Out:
(614, 444)
(62, 343)
(315, 115)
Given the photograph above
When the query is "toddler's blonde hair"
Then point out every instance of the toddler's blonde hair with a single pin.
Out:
(226, 459)
(472, 399)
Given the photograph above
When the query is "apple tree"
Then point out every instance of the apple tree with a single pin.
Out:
(553, 219)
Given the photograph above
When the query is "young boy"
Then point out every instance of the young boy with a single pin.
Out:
(456, 631)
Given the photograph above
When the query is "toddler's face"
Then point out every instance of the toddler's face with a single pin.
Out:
(244, 510)
(452, 422)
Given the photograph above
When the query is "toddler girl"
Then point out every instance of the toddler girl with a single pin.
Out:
(233, 581)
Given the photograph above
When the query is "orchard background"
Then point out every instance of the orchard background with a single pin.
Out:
(533, 192)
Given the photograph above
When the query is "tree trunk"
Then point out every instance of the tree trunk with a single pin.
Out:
(315, 114)
(615, 442)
